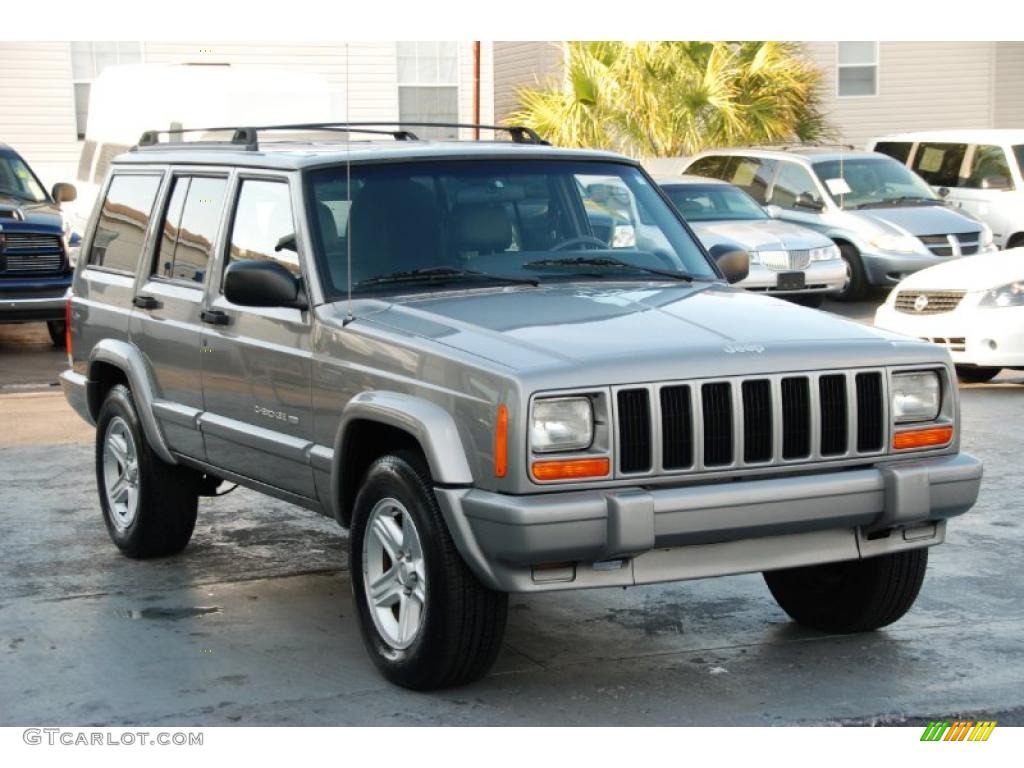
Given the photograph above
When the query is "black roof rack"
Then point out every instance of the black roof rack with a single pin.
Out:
(248, 137)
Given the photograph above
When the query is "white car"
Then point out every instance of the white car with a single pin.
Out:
(973, 306)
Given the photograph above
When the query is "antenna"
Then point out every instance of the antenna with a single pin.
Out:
(349, 316)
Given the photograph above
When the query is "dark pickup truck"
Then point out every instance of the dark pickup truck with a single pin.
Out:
(35, 263)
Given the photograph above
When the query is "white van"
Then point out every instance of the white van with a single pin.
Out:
(980, 171)
(126, 100)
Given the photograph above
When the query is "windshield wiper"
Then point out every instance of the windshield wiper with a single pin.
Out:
(608, 261)
(889, 201)
(441, 275)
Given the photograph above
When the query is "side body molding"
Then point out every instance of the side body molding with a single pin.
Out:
(129, 359)
(431, 425)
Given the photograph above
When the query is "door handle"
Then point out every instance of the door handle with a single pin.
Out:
(215, 317)
(146, 302)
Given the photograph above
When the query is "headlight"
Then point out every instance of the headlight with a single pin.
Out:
(624, 236)
(897, 243)
(987, 238)
(825, 253)
(1011, 295)
(915, 396)
(561, 424)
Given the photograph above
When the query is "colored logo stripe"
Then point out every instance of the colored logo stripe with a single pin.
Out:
(959, 730)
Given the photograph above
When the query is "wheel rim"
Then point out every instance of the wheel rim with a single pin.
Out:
(849, 276)
(121, 473)
(394, 573)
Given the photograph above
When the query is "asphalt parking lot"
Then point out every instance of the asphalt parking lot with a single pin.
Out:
(254, 623)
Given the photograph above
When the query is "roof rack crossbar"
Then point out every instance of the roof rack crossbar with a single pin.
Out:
(248, 137)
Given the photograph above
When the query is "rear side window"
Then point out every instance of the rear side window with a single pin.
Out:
(123, 222)
(190, 228)
(897, 150)
(989, 169)
(712, 167)
(263, 226)
(939, 164)
(751, 174)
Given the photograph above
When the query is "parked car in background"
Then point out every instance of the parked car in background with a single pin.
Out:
(980, 171)
(35, 247)
(786, 259)
(974, 307)
(887, 222)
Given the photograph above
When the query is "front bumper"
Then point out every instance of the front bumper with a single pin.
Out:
(883, 268)
(820, 276)
(27, 300)
(638, 535)
(987, 337)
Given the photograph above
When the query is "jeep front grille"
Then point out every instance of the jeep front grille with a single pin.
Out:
(752, 421)
(933, 303)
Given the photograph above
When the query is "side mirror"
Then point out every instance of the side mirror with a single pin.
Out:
(259, 283)
(734, 262)
(995, 182)
(773, 211)
(64, 192)
(804, 200)
(943, 192)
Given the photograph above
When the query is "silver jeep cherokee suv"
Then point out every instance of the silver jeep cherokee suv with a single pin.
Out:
(438, 345)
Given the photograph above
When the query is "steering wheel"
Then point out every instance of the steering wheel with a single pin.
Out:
(584, 240)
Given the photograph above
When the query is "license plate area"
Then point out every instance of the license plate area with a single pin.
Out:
(791, 281)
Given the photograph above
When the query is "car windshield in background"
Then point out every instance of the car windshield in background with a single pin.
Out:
(873, 182)
(437, 223)
(1018, 152)
(714, 202)
(18, 181)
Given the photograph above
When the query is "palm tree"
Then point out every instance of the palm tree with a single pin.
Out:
(667, 99)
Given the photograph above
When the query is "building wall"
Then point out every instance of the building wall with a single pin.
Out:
(37, 98)
(921, 86)
(1009, 87)
(519, 64)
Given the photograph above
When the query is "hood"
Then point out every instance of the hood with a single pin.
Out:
(635, 332)
(37, 215)
(970, 273)
(920, 219)
(759, 234)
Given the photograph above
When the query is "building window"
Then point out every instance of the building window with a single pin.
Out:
(88, 60)
(857, 69)
(428, 86)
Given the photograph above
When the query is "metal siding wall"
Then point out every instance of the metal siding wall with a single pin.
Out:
(518, 64)
(37, 107)
(1009, 90)
(922, 86)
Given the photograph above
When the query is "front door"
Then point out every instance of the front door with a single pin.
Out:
(166, 324)
(257, 360)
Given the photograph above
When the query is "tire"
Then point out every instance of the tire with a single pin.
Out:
(851, 596)
(149, 506)
(56, 329)
(1016, 241)
(857, 282)
(455, 627)
(973, 374)
(812, 300)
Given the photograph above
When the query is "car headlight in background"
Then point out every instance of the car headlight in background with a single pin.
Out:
(898, 244)
(561, 424)
(623, 236)
(915, 396)
(825, 253)
(1011, 295)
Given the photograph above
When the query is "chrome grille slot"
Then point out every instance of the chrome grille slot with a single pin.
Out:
(634, 430)
(757, 421)
(796, 418)
(716, 402)
(676, 427)
(934, 302)
(832, 395)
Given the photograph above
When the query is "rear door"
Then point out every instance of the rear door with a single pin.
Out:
(987, 189)
(169, 300)
(257, 361)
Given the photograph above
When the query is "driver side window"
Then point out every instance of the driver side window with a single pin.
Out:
(794, 189)
(263, 226)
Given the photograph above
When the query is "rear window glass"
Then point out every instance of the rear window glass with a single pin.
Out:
(939, 164)
(897, 150)
(123, 222)
(751, 174)
(989, 169)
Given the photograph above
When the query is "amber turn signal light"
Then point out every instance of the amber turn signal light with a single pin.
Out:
(570, 469)
(501, 442)
(922, 438)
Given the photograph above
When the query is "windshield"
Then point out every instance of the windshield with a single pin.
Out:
(18, 181)
(714, 202)
(486, 221)
(868, 182)
(1018, 152)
